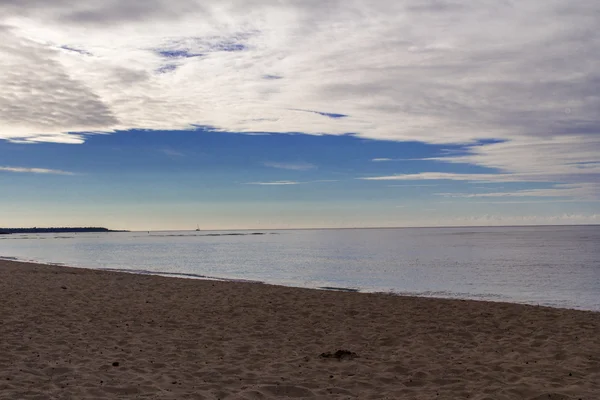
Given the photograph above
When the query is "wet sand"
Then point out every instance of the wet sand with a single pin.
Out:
(68, 333)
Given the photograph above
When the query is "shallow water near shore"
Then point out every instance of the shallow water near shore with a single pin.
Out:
(553, 265)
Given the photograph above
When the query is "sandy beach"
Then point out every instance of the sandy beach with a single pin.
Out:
(70, 333)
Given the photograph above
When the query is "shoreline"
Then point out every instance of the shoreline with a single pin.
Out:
(81, 333)
(492, 298)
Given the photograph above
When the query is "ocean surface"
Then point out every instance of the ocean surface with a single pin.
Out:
(556, 266)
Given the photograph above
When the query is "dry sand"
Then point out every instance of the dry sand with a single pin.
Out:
(63, 331)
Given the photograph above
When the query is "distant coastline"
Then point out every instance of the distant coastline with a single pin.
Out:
(8, 231)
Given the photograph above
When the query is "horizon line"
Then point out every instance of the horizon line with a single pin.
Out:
(110, 230)
(364, 227)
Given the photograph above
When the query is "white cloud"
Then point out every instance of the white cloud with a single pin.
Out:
(432, 71)
(299, 166)
(35, 170)
(555, 157)
(450, 72)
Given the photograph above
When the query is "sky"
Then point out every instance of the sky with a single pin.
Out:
(169, 114)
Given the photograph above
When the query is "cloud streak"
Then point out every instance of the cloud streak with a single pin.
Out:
(522, 201)
(285, 183)
(448, 176)
(274, 183)
(580, 191)
(35, 171)
(382, 159)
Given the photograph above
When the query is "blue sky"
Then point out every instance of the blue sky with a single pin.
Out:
(168, 114)
(177, 179)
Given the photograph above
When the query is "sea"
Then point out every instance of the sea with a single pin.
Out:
(557, 266)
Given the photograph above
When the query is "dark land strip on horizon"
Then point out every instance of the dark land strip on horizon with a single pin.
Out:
(7, 231)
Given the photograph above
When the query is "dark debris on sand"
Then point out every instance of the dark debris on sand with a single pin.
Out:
(340, 355)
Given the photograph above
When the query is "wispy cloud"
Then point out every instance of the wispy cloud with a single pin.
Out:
(581, 191)
(382, 159)
(435, 176)
(412, 185)
(35, 171)
(274, 183)
(402, 159)
(291, 182)
(294, 166)
(522, 201)
(172, 153)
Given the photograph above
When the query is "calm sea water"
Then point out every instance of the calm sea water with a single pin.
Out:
(555, 266)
